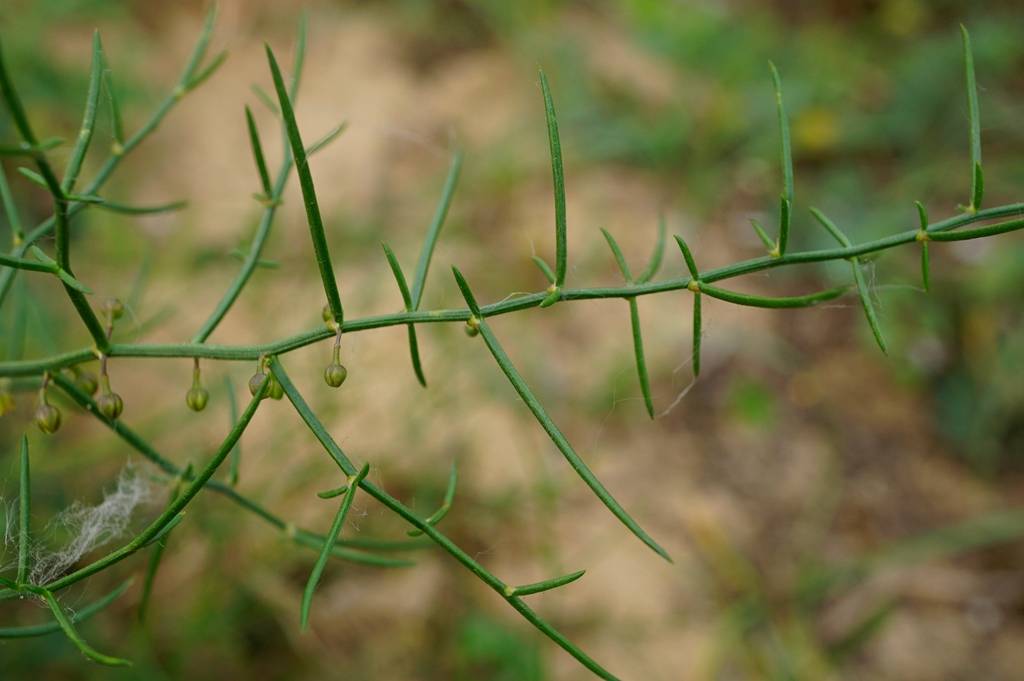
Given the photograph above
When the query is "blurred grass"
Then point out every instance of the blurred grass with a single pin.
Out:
(800, 456)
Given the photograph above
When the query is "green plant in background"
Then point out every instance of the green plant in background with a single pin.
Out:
(63, 370)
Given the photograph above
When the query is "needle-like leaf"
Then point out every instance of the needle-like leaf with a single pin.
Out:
(697, 333)
(641, 361)
(558, 182)
(974, 123)
(316, 224)
(79, 615)
(446, 504)
(92, 100)
(547, 584)
(544, 268)
(560, 441)
(656, 256)
(332, 536)
(127, 209)
(116, 121)
(69, 630)
(923, 237)
(786, 157)
(199, 51)
(434, 231)
(620, 259)
(257, 153)
(403, 287)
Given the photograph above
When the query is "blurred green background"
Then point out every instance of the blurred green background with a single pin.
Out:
(833, 512)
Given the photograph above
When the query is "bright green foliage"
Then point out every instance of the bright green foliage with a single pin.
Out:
(62, 370)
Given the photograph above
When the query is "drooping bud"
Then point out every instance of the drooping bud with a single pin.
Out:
(47, 418)
(472, 327)
(110, 405)
(335, 374)
(256, 382)
(275, 390)
(114, 307)
(197, 397)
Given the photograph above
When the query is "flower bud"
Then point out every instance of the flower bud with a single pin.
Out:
(196, 398)
(471, 330)
(110, 405)
(114, 307)
(48, 418)
(327, 316)
(256, 382)
(335, 374)
(276, 390)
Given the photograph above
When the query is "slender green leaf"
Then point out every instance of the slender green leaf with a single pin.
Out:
(116, 122)
(69, 630)
(620, 259)
(199, 51)
(92, 100)
(257, 153)
(10, 209)
(208, 71)
(831, 227)
(316, 225)
(749, 300)
(869, 306)
(656, 256)
(638, 351)
(266, 99)
(235, 462)
(974, 122)
(403, 287)
(446, 504)
(115, 207)
(547, 584)
(331, 135)
(786, 157)
(544, 268)
(332, 536)
(434, 231)
(79, 615)
(691, 264)
(549, 426)
(977, 233)
(762, 235)
(923, 237)
(558, 181)
(697, 333)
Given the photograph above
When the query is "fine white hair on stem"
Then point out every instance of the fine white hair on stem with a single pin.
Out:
(91, 526)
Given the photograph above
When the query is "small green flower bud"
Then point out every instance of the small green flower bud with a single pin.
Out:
(472, 327)
(196, 398)
(110, 404)
(48, 418)
(114, 307)
(327, 316)
(335, 374)
(276, 390)
(86, 382)
(256, 382)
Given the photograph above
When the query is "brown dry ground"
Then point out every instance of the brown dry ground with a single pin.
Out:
(846, 461)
